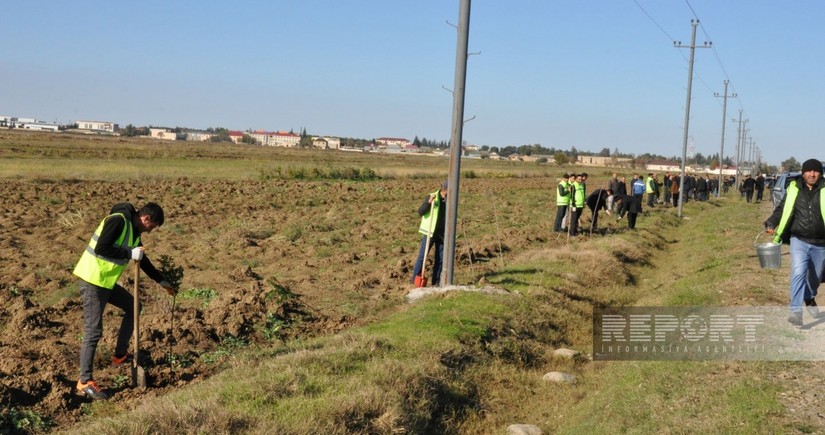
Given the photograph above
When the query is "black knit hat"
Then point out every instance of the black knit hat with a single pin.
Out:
(812, 165)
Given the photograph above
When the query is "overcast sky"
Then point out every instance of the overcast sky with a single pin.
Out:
(591, 74)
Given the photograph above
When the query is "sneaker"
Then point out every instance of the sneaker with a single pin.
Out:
(813, 310)
(91, 389)
(795, 319)
(119, 361)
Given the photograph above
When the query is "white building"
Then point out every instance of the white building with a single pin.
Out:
(27, 123)
(199, 135)
(40, 126)
(109, 127)
(162, 133)
(326, 142)
(275, 138)
(401, 142)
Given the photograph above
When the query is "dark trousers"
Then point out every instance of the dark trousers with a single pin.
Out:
(759, 194)
(94, 300)
(748, 195)
(594, 224)
(639, 199)
(574, 221)
(651, 197)
(438, 243)
(559, 223)
(675, 198)
(631, 220)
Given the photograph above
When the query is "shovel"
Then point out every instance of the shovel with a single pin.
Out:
(421, 280)
(138, 374)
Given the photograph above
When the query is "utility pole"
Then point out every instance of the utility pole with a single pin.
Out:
(692, 47)
(724, 122)
(736, 156)
(456, 141)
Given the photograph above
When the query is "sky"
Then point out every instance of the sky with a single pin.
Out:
(560, 73)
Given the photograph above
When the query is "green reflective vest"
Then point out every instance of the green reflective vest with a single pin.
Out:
(102, 271)
(787, 210)
(564, 186)
(427, 226)
(649, 186)
(578, 194)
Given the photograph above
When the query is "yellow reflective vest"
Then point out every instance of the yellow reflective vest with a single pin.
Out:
(790, 200)
(103, 271)
(578, 194)
(563, 186)
(427, 226)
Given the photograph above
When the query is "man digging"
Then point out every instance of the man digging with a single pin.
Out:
(115, 241)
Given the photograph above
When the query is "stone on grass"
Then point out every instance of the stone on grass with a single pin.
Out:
(559, 377)
(565, 353)
(523, 429)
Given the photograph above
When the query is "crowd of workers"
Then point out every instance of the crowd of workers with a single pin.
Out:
(627, 198)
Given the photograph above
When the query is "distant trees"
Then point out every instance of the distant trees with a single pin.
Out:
(220, 134)
(132, 131)
(560, 158)
(791, 165)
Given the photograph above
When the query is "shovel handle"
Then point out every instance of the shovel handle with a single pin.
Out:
(136, 316)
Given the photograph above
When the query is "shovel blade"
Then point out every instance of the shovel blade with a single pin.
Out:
(138, 377)
(420, 281)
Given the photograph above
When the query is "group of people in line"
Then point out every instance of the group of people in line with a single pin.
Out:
(628, 198)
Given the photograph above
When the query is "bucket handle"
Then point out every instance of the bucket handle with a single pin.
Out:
(755, 241)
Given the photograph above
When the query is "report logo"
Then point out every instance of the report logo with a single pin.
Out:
(703, 333)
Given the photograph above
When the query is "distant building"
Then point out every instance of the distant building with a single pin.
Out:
(275, 138)
(236, 136)
(602, 161)
(97, 126)
(41, 126)
(162, 133)
(326, 143)
(390, 149)
(401, 142)
(199, 135)
(15, 122)
(664, 166)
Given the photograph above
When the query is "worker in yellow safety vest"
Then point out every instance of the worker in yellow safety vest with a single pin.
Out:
(563, 197)
(115, 241)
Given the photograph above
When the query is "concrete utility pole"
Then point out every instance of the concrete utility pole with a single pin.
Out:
(692, 47)
(738, 145)
(724, 122)
(456, 141)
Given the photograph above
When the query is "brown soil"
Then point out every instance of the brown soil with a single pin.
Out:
(316, 256)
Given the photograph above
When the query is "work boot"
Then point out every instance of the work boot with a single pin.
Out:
(795, 319)
(91, 389)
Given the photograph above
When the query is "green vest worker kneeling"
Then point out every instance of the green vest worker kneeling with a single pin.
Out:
(115, 241)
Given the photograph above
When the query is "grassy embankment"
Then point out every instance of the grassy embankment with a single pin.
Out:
(472, 363)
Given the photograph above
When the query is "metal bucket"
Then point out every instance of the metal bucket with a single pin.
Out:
(770, 254)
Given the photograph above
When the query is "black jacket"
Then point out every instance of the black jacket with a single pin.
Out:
(596, 200)
(805, 221)
(628, 204)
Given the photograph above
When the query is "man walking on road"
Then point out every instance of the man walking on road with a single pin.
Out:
(115, 241)
(800, 218)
